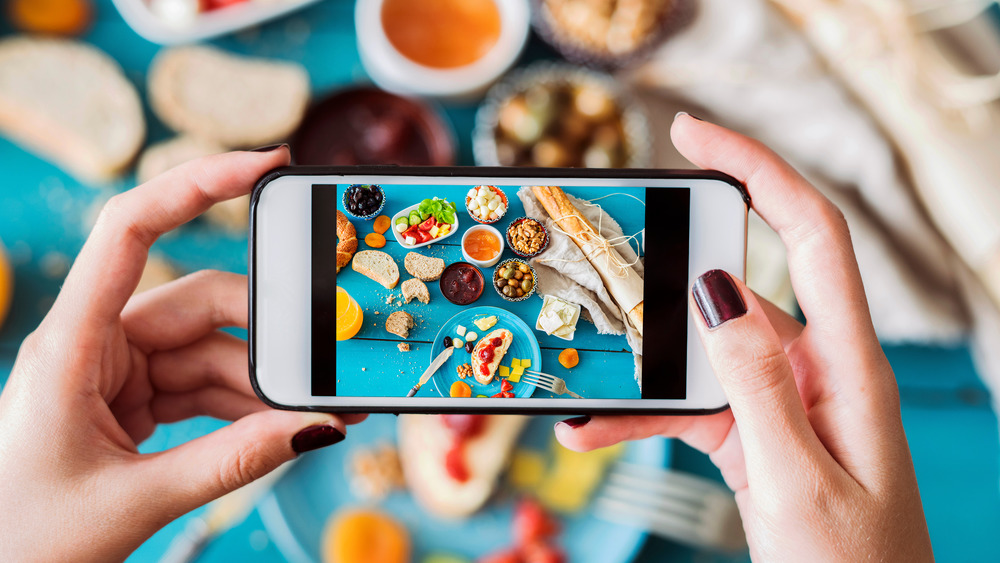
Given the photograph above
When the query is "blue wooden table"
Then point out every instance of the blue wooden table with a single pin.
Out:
(45, 215)
(606, 368)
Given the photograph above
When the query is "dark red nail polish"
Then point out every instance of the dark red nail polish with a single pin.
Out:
(718, 298)
(270, 148)
(316, 437)
(577, 422)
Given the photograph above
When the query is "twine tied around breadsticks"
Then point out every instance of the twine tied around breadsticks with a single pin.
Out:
(600, 243)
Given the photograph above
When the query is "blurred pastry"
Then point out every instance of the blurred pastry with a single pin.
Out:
(232, 100)
(71, 103)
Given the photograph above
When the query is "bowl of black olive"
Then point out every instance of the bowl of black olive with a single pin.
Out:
(364, 201)
(514, 280)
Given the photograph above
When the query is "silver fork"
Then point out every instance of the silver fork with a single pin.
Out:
(548, 382)
(679, 506)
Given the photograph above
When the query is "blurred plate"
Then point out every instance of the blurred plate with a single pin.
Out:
(524, 347)
(297, 509)
(206, 25)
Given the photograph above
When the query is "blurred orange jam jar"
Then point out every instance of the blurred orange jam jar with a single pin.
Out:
(482, 245)
(441, 33)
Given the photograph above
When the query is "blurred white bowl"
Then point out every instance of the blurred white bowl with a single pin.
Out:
(182, 26)
(393, 71)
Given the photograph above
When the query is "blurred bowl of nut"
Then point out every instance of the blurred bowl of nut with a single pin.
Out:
(514, 280)
(609, 34)
(527, 237)
(561, 116)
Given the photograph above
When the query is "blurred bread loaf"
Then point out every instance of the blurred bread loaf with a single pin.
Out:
(233, 100)
(71, 103)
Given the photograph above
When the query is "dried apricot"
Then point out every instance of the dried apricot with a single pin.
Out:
(375, 240)
(382, 224)
(460, 389)
(569, 358)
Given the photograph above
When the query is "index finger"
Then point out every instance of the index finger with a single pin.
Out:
(110, 264)
(821, 261)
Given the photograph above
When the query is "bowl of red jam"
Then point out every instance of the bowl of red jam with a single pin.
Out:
(462, 283)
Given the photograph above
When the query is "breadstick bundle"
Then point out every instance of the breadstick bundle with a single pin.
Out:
(622, 281)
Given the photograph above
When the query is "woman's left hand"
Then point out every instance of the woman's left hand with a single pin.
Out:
(104, 368)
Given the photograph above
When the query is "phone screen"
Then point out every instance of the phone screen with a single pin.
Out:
(587, 284)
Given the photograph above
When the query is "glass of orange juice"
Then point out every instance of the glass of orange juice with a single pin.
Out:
(350, 317)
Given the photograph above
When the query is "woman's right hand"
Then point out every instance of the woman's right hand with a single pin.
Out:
(813, 444)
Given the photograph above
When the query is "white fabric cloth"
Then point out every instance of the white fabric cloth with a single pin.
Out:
(745, 64)
(563, 271)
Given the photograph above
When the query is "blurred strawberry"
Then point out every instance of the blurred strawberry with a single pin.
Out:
(532, 523)
(539, 552)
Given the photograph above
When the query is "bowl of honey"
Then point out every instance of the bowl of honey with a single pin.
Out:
(452, 49)
(482, 245)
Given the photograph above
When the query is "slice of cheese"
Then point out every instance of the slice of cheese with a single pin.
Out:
(485, 323)
(504, 371)
(515, 375)
(515, 363)
(525, 364)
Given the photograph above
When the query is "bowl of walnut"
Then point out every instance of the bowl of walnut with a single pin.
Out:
(527, 237)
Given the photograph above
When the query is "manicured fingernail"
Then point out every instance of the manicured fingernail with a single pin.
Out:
(680, 113)
(577, 422)
(718, 298)
(270, 148)
(316, 437)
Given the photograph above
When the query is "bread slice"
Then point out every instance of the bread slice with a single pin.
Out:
(424, 268)
(71, 103)
(233, 100)
(415, 289)
(424, 441)
(479, 366)
(399, 323)
(378, 266)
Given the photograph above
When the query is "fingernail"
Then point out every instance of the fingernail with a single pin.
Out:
(577, 422)
(270, 148)
(316, 437)
(680, 113)
(718, 298)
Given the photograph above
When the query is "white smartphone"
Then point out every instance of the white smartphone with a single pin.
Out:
(487, 290)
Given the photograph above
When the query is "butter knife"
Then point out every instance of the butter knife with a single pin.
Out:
(437, 363)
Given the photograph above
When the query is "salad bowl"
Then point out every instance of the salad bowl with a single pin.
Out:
(424, 223)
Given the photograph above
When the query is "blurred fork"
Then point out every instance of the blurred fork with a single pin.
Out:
(548, 382)
(679, 506)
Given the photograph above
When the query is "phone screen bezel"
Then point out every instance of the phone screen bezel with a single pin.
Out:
(293, 391)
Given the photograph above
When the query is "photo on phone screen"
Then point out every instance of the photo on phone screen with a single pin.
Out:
(584, 283)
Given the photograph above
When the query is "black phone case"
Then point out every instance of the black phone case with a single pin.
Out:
(464, 171)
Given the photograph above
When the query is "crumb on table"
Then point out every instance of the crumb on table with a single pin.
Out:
(403, 347)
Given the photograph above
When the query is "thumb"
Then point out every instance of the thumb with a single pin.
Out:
(750, 363)
(208, 467)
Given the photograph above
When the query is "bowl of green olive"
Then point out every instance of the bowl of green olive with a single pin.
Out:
(514, 280)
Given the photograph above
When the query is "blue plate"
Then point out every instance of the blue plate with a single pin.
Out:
(524, 347)
(297, 509)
